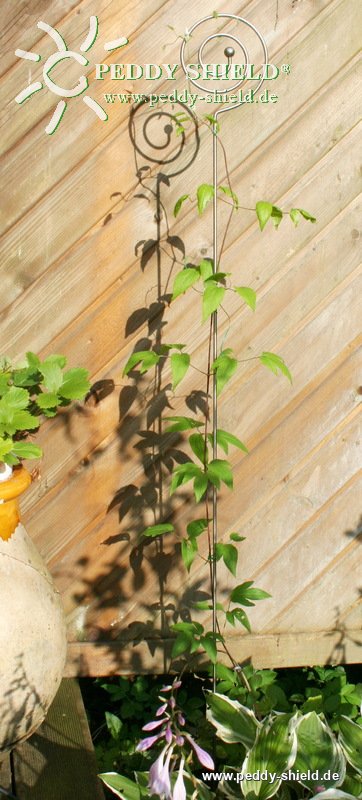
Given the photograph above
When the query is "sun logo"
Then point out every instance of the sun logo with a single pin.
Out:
(62, 55)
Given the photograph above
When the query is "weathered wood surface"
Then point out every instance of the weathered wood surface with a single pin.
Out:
(5, 773)
(58, 762)
(71, 281)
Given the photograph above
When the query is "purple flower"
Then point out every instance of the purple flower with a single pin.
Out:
(175, 685)
(180, 740)
(145, 744)
(168, 734)
(159, 775)
(203, 757)
(154, 724)
(161, 709)
(179, 790)
(181, 719)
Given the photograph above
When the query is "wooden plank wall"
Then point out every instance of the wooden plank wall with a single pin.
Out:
(76, 279)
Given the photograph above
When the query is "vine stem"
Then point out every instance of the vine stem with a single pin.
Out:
(214, 398)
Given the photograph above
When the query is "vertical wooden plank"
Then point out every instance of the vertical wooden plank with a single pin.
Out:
(58, 762)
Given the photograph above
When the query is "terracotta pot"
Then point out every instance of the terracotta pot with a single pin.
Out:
(32, 624)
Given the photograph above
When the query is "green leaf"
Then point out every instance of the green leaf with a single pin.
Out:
(120, 786)
(352, 782)
(212, 297)
(188, 627)
(52, 374)
(158, 530)
(15, 399)
(217, 277)
(229, 192)
(182, 643)
(55, 359)
(147, 359)
(184, 280)
(235, 537)
(205, 193)
(188, 552)
(266, 211)
(184, 473)
(224, 438)
(25, 377)
(257, 594)
(179, 203)
(33, 360)
(248, 295)
(75, 384)
(114, 724)
(23, 421)
(244, 594)
(4, 382)
(196, 527)
(225, 673)
(318, 749)
(233, 722)
(47, 400)
(213, 121)
(229, 555)
(209, 645)
(202, 605)
(197, 443)
(263, 212)
(225, 365)
(220, 470)
(350, 737)
(276, 216)
(165, 348)
(206, 268)
(182, 424)
(180, 363)
(296, 213)
(241, 616)
(273, 752)
(6, 445)
(27, 450)
(200, 486)
(275, 364)
(11, 460)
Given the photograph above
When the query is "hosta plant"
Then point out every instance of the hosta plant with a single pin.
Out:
(286, 755)
(29, 393)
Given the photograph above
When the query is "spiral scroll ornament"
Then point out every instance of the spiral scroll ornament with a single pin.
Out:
(233, 49)
(153, 136)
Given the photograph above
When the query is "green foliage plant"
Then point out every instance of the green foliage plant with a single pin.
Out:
(30, 393)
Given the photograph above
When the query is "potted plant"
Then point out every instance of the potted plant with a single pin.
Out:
(32, 624)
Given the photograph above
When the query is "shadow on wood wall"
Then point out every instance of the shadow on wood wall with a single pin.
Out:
(142, 405)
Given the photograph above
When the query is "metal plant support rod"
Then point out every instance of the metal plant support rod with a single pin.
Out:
(229, 53)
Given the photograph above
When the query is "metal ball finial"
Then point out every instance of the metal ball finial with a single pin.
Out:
(229, 52)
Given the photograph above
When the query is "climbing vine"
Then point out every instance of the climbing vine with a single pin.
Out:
(206, 473)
